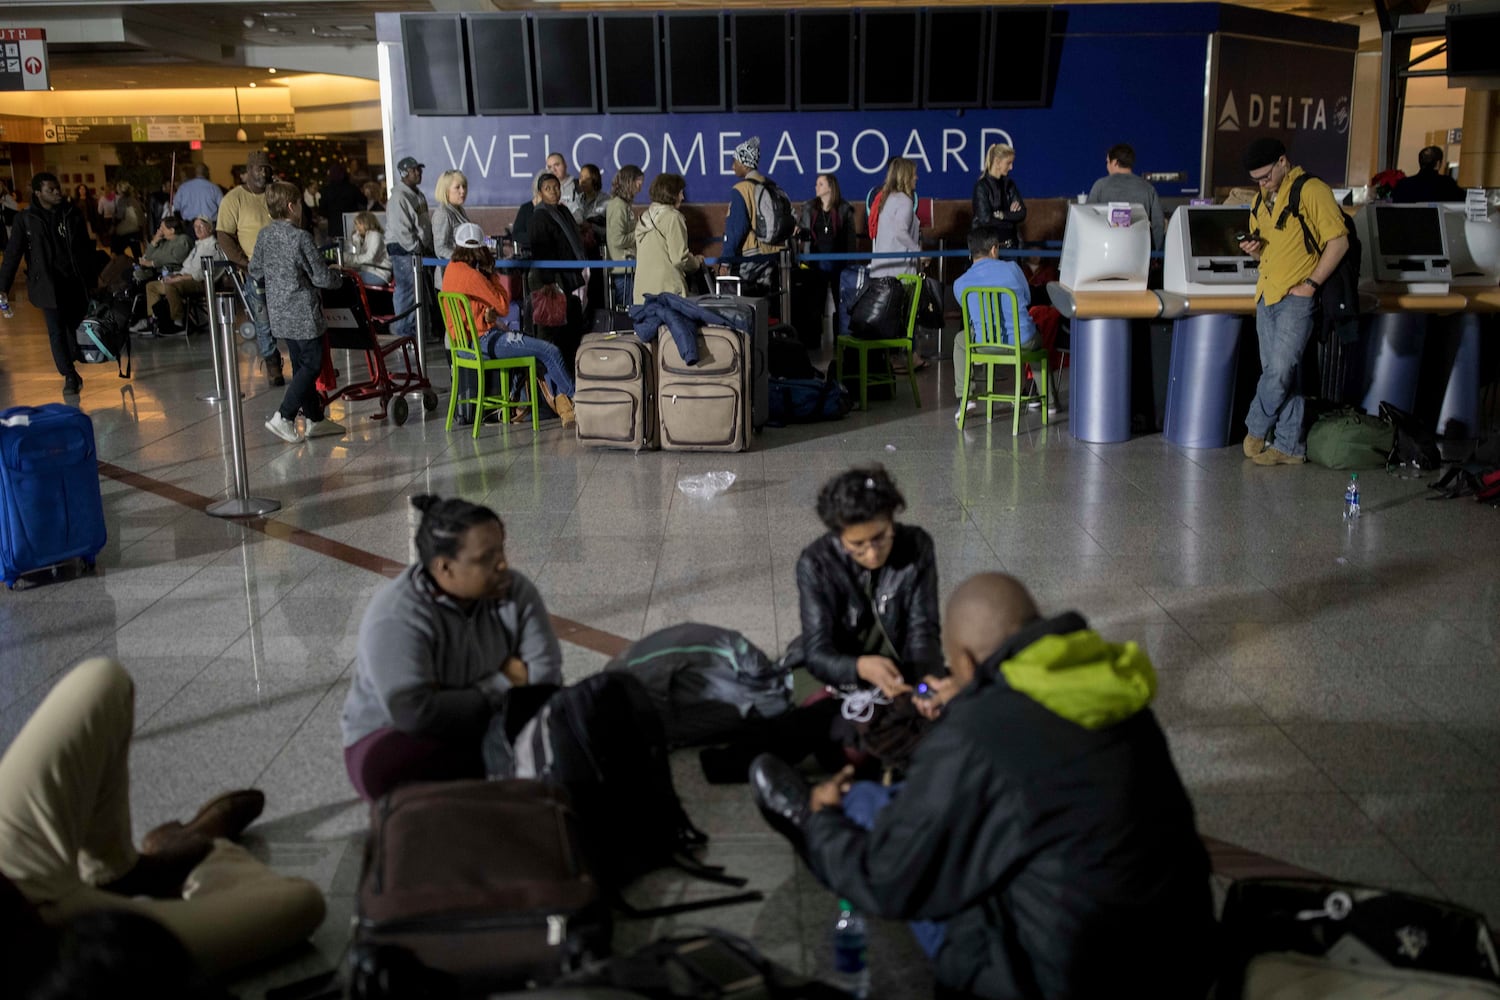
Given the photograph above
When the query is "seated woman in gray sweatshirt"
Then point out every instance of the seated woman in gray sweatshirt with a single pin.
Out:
(440, 647)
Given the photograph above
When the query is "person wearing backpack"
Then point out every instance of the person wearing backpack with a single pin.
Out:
(760, 222)
(1299, 235)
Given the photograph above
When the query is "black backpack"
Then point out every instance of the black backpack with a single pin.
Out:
(104, 334)
(1339, 296)
(602, 740)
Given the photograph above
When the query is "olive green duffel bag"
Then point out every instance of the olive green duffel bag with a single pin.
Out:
(1349, 439)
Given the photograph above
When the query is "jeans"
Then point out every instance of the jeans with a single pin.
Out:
(405, 295)
(624, 289)
(862, 805)
(1283, 330)
(302, 387)
(502, 344)
(255, 302)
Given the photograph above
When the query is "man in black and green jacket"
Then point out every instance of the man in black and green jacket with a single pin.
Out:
(1042, 821)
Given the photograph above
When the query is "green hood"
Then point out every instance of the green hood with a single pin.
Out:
(1082, 678)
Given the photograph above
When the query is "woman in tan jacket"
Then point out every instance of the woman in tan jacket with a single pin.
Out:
(661, 248)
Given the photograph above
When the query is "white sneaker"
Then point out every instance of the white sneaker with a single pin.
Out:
(141, 325)
(284, 428)
(324, 428)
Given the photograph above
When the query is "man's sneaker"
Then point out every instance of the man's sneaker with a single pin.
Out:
(73, 383)
(324, 428)
(141, 325)
(1275, 456)
(1254, 445)
(273, 370)
(284, 428)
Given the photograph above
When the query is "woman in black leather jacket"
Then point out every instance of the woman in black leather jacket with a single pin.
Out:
(868, 590)
(997, 200)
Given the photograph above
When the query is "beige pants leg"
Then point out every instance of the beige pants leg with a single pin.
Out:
(65, 827)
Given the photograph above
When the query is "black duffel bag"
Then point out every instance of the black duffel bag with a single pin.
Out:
(880, 311)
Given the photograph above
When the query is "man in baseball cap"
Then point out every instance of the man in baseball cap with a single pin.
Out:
(408, 233)
(1297, 252)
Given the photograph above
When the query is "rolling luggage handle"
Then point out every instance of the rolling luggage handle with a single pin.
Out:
(226, 358)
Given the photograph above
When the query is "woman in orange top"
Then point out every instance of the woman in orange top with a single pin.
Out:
(471, 272)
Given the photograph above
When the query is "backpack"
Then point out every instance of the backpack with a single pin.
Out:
(1339, 296)
(104, 334)
(1414, 445)
(775, 219)
(602, 741)
(706, 681)
(1348, 438)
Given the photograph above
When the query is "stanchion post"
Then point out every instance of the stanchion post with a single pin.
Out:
(420, 293)
(242, 504)
(217, 393)
(786, 284)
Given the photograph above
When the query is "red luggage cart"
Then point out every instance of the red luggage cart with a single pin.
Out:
(355, 326)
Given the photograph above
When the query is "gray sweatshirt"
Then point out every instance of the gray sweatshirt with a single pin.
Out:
(428, 667)
(1136, 190)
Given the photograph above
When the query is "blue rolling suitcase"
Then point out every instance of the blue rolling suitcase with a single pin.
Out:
(50, 506)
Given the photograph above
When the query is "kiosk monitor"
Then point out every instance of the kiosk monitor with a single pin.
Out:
(1404, 248)
(1203, 251)
(1473, 247)
(1099, 256)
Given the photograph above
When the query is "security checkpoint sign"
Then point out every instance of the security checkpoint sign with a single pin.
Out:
(23, 59)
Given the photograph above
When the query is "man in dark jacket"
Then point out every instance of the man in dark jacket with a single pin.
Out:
(340, 198)
(1427, 185)
(1041, 821)
(53, 237)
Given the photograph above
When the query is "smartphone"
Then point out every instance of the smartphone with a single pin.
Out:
(1246, 237)
(924, 690)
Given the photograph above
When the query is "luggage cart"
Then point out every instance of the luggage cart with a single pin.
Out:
(354, 326)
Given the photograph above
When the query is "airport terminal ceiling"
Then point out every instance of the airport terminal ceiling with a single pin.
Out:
(194, 43)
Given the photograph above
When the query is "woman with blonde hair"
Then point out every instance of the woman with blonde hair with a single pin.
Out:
(898, 227)
(997, 200)
(450, 193)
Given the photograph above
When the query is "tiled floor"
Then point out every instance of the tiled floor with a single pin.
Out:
(1332, 693)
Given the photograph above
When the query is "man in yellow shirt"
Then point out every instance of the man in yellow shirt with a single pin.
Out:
(1286, 294)
(242, 215)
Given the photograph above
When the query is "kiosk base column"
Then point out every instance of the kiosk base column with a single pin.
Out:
(1392, 361)
(1099, 390)
(1200, 393)
(1460, 415)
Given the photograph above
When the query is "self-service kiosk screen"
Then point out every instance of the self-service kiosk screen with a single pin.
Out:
(1211, 233)
(1409, 232)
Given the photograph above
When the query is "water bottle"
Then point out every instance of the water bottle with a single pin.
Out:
(1351, 498)
(5, 308)
(850, 962)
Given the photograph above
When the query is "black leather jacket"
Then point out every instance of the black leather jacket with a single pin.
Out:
(836, 614)
(992, 200)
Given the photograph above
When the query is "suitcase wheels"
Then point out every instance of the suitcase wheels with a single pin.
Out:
(399, 410)
(429, 400)
(247, 330)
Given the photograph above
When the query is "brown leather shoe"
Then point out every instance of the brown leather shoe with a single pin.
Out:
(1254, 445)
(564, 409)
(225, 816)
(161, 872)
(1275, 456)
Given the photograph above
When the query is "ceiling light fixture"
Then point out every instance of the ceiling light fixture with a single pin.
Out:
(271, 69)
(252, 84)
(239, 136)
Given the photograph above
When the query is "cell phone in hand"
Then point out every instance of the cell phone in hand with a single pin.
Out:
(1247, 237)
(924, 691)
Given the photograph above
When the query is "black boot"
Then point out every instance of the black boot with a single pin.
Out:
(161, 319)
(273, 370)
(782, 797)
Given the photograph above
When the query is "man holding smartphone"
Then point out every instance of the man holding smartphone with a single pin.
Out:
(1286, 294)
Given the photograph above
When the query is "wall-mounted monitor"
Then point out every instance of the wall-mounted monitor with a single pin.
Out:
(760, 60)
(1100, 256)
(890, 64)
(630, 62)
(695, 62)
(437, 75)
(1405, 246)
(955, 41)
(501, 86)
(1473, 45)
(564, 64)
(1020, 57)
(825, 60)
(1202, 254)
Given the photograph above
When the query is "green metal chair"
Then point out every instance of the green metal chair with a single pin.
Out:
(464, 353)
(991, 304)
(913, 283)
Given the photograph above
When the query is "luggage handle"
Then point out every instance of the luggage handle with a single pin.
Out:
(721, 280)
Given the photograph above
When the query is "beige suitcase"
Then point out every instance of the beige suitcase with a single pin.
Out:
(706, 406)
(615, 392)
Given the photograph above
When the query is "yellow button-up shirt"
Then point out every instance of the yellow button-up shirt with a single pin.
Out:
(1285, 260)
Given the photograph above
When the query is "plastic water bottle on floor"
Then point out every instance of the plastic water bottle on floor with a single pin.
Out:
(1351, 498)
(5, 307)
(850, 958)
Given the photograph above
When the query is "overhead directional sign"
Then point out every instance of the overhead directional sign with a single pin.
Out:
(23, 59)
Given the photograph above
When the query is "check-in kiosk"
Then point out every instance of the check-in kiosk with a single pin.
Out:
(1474, 254)
(1209, 282)
(1101, 287)
(1406, 265)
